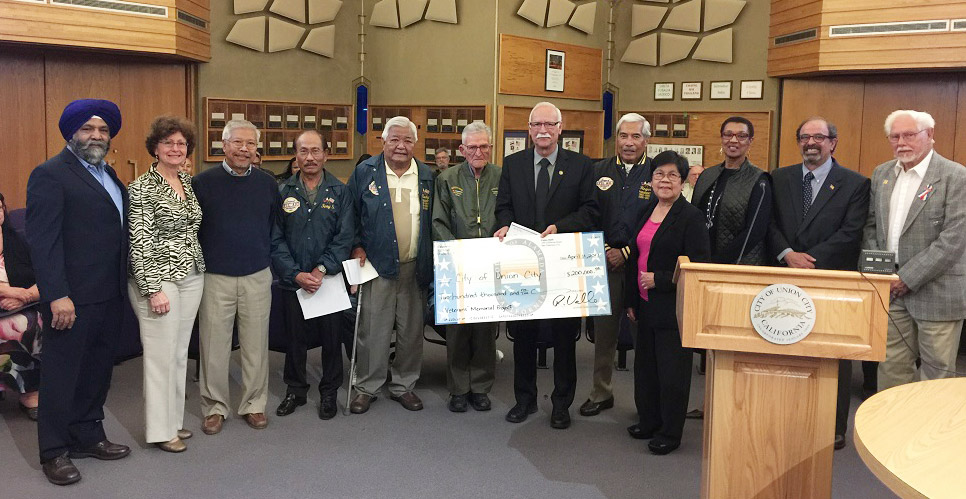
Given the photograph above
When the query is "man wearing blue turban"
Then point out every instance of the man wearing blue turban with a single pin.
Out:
(77, 232)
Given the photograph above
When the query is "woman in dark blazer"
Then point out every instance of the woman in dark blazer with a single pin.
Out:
(669, 227)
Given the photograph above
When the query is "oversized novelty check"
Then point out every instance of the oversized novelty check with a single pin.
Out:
(523, 277)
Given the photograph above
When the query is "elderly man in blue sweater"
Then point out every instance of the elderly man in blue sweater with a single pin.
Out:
(240, 205)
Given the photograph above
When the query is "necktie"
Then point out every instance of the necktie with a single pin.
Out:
(543, 191)
(807, 193)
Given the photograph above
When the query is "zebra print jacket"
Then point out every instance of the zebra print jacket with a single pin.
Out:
(164, 232)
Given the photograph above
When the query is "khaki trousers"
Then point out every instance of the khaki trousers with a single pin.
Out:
(250, 299)
(389, 304)
(165, 341)
(936, 342)
(606, 329)
(470, 357)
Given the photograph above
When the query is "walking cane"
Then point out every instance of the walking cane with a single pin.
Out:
(355, 343)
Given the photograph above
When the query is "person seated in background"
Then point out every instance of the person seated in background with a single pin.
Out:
(20, 323)
(693, 173)
(291, 169)
(187, 167)
(668, 228)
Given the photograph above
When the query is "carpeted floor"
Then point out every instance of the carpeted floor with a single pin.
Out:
(390, 452)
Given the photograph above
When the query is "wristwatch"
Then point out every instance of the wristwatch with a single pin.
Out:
(321, 269)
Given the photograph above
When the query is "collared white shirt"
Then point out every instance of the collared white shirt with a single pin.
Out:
(233, 173)
(399, 186)
(903, 194)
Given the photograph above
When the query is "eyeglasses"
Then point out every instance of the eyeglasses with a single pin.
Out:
(170, 143)
(543, 124)
(659, 175)
(907, 136)
(485, 148)
(393, 142)
(818, 138)
(251, 144)
(315, 151)
(742, 137)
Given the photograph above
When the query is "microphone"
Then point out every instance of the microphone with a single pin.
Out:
(761, 183)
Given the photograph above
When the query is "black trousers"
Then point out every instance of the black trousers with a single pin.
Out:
(564, 336)
(75, 377)
(662, 380)
(844, 397)
(327, 328)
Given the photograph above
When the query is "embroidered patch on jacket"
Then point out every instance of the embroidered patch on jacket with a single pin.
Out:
(604, 183)
(425, 199)
(290, 205)
(328, 203)
(373, 189)
(495, 190)
(457, 191)
(645, 191)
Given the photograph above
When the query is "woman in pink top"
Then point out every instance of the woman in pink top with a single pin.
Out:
(669, 227)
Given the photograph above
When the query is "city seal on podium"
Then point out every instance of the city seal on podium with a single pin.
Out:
(783, 314)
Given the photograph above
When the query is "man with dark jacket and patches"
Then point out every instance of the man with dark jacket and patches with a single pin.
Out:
(315, 236)
(392, 194)
(623, 187)
(464, 208)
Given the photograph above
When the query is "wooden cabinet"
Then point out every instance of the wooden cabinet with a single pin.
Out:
(280, 124)
(437, 127)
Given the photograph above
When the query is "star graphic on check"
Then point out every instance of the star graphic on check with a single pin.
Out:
(444, 264)
(444, 296)
(444, 281)
(602, 305)
(598, 288)
(594, 240)
(596, 257)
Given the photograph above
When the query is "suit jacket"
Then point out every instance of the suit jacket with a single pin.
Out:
(78, 241)
(832, 230)
(932, 245)
(571, 205)
(683, 232)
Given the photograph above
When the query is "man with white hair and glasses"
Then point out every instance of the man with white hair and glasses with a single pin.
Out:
(916, 212)
(240, 206)
(393, 198)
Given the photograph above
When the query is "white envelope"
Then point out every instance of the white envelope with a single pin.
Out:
(331, 297)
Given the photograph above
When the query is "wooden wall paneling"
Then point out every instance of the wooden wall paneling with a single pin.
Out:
(838, 100)
(591, 122)
(21, 123)
(934, 94)
(69, 26)
(704, 129)
(165, 84)
(426, 138)
(959, 152)
(523, 68)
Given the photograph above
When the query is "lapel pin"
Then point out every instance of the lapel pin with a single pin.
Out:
(832, 187)
(926, 192)
(886, 181)
(559, 172)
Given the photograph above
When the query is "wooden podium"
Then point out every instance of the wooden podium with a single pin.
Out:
(769, 408)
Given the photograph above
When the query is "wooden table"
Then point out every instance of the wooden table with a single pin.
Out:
(913, 438)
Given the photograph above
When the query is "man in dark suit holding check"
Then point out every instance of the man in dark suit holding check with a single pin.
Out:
(77, 232)
(818, 215)
(550, 190)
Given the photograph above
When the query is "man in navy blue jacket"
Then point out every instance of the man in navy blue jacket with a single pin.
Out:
(313, 239)
(77, 231)
(393, 198)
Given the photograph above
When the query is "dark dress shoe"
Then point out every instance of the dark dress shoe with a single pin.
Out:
(695, 414)
(560, 419)
(212, 424)
(31, 412)
(519, 412)
(361, 403)
(328, 407)
(662, 447)
(256, 420)
(593, 408)
(457, 403)
(61, 471)
(103, 450)
(639, 433)
(409, 400)
(839, 442)
(289, 404)
(480, 401)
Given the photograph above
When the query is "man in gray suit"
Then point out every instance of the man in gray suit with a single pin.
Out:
(915, 213)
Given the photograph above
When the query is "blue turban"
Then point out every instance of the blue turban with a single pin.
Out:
(81, 110)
